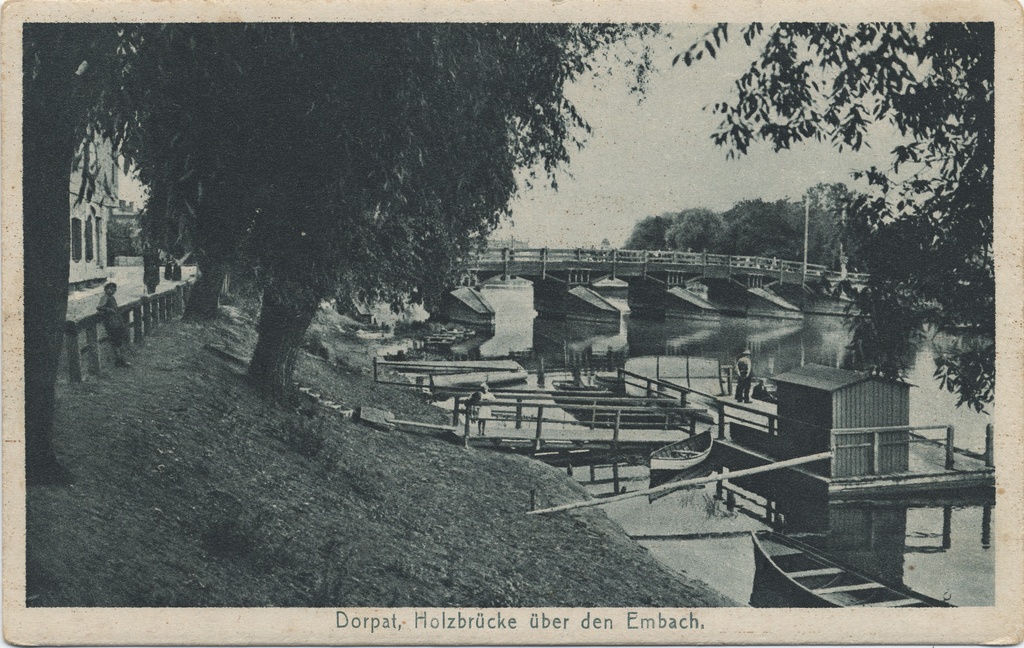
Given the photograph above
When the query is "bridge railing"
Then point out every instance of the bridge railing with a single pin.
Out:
(656, 258)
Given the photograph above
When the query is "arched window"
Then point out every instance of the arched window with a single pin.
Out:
(101, 244)
(90, 239)
(76, 239)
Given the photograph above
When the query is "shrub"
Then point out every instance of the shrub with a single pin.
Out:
(305, 432)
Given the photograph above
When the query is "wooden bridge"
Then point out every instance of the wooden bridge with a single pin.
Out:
(581, 266)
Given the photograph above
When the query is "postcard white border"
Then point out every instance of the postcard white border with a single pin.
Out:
(1002, 623)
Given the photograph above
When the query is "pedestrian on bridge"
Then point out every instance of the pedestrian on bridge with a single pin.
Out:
(744, 376)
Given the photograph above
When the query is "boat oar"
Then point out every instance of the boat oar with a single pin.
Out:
(667, 488)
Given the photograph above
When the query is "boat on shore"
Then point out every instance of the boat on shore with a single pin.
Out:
(473, 379)
(806, 578)
(683, 455)
(574, 387)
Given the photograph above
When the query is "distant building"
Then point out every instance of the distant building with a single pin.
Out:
(124, 234)
(90, 217)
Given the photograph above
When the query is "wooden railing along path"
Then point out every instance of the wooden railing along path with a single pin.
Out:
(143, 316)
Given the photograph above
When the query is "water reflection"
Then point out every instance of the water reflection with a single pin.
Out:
(690, 352)
(941, 548)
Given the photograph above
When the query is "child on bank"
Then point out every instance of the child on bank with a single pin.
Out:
(113, 322)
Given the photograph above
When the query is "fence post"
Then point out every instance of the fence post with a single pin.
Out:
(875, 439)
(465, 435)
(989, 446)
(771, 425)
(543, 263)
(179, 300)
(540, 422)
(721, 420)
(147, 316)
(540, 372)
(93, 347)
(455, 408)
(519, 413)
(615, 431)
(74, 352)
(137, 323)
(648, 388)
(949, 447)
(615, 264)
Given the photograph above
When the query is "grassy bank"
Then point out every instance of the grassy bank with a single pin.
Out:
(189, 490)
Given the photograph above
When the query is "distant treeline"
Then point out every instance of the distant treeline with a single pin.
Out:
(761, 228)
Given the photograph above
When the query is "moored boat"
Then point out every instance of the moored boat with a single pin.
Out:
(806, 578)
(574, 387)
(473, 379)
(684, 454)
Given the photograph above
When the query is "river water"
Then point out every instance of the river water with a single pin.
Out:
(942, 548)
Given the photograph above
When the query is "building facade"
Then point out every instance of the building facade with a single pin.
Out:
(90, 216)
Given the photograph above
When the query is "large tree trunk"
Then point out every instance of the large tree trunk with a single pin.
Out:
(284, 318)
(48, 140)
(204, 300)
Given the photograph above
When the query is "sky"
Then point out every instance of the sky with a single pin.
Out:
(656, 155)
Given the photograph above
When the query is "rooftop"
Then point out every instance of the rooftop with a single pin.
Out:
(825, 378)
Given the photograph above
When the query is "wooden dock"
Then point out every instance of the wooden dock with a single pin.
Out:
(565, 434)
(749, 432)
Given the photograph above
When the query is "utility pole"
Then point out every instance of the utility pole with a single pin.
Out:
(807, 221)
(842, 252)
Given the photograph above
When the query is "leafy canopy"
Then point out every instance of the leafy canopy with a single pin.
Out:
(931, 211)
(356, 158)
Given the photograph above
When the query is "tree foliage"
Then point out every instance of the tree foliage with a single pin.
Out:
(764, 228)
(649, 233)
(934, 84)
(696, 230)
(353, 160)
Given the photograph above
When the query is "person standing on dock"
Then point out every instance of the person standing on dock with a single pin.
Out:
(481, 409)
(744, 376)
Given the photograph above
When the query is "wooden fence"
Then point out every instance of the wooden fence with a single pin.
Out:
(84, 338)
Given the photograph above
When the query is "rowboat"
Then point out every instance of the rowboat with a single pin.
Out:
(473, 379)
(806, 578)
(576, 388)
(684, 454)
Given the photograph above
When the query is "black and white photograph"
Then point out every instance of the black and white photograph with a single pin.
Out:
(455, 323)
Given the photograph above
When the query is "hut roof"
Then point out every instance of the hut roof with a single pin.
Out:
(823, 378)
(593, 299)
(473, 299)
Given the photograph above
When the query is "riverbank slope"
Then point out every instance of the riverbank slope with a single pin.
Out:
(189, 490)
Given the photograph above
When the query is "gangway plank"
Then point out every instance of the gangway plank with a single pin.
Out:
(673, 486)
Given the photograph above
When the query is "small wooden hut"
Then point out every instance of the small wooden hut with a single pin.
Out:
(816, 401)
